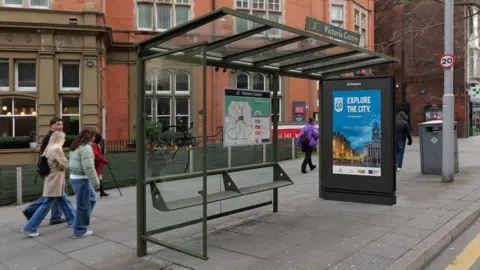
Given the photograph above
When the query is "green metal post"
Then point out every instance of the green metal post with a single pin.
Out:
(275, 86)
(141, 166)
(320, 144)
(205, 148)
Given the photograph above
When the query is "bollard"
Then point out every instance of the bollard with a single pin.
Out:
(293, 148)
(19, 185)
(190, 156)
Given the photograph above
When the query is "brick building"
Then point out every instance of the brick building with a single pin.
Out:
(414, 33)
(74, 59)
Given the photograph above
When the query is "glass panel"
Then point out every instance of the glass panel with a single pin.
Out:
(164, 14)
(181, 1)
(27, 74)
(163, 81)
(148, 106)
(336, 13)
(181, 123)
(378, 62)
(39, 3)
(359, 56)
(23, 106)
(71, 125)
(258, 82)
(145, 15)
(311, 56)
(182, 14)
(182, 82)
(363, 40)
(163, 107)
(148, 82)
(6, 126)
(275, 17)
(274, 4)
(13, 2)
(4, 74)
(24, 126)
(258, 4)
(164, 120)
(260, 14)
(242, 81)
(242, 24)
(6, 104)
(363, 21)
(242, 3)
(355, 17)
(71, 75)
(337, 24)
(71, 105)
(182, 106)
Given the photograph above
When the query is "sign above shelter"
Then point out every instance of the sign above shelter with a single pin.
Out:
(332, 31)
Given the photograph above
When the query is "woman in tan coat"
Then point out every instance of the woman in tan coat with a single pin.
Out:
(54, 185)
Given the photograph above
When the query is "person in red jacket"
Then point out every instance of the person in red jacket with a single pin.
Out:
(99, 161)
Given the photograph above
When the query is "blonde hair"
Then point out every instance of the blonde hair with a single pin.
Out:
(56, 141)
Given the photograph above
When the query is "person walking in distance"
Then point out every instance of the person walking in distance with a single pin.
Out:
(84, 180)
(307, 140)
(54, 185)
(402, 133)
(56, 124)
(99, 161)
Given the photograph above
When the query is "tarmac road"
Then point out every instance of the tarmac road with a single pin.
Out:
(462, 254)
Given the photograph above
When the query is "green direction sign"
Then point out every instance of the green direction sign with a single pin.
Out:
(332, 31)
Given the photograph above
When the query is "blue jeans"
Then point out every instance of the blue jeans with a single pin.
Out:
(56, 213)
(42, 211)
(400, 150)
(86, 199)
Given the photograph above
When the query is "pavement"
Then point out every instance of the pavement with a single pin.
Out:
(462, 254)
(306, 233)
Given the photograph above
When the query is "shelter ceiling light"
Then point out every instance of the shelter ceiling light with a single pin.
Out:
(4, 108)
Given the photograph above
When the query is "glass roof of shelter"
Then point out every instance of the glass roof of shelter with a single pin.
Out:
(236, 40)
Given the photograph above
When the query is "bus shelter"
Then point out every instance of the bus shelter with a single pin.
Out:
(227, 39)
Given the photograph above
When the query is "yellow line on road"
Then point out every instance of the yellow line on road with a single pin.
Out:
(468, 256)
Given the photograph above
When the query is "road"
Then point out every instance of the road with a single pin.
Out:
(462, 254)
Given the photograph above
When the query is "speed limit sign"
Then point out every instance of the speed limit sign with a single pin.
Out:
(447, 61)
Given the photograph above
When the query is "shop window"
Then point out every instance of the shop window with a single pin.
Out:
(70, 114)
(168, 14)
(25, 76)
(18, 117)
(70, 76)
(4, 75)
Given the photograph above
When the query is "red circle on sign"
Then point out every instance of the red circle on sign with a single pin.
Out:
(447, 61)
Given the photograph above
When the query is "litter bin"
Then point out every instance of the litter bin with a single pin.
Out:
(431, 138)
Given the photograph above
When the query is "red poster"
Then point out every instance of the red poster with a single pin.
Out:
(299, 109)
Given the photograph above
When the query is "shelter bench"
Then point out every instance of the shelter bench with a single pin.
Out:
(280, 179)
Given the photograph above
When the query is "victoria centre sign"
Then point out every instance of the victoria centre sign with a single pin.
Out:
(332, 31)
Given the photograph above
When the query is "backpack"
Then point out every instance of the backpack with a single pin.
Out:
(304, 141)
(43, 168)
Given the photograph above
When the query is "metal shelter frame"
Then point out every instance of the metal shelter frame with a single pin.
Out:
(263, 46)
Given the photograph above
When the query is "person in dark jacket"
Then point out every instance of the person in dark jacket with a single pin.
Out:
(312, 135)
(402, 134)
(56, 124)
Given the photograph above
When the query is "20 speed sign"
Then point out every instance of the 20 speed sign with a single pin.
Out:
(447, 61)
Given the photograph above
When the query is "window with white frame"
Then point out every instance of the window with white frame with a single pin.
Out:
(18, 117)
(30, 3)
(25, 75)
(259, 82)
(360, 24)
(265, 9)
(168, 98)
(4, 75)
(70, 114)
(70, 76)
(161, 15)
(336, 15)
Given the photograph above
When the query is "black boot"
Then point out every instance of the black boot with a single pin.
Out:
(102, 192)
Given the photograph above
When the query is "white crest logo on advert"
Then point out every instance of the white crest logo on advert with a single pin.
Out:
(338, 104)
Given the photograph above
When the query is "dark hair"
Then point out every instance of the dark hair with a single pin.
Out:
(311, 120)
(55, 120)
(98, 138)
(402, 116)
(84, 137)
